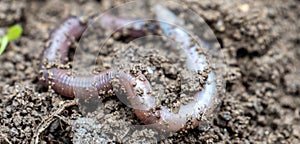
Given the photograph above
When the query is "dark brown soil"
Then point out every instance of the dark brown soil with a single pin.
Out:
(260, 42)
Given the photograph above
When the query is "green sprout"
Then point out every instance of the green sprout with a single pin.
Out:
(13, 33)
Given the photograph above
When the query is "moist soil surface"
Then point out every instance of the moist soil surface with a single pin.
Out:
(261, 104)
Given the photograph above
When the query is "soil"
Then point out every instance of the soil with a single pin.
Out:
(259, 40)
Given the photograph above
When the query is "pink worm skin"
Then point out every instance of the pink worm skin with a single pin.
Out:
(65, 83)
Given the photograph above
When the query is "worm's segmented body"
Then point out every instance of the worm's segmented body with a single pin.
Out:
(66, 83)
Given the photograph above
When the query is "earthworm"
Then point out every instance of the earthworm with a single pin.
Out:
(65, 83)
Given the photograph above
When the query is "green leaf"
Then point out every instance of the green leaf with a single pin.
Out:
(4, 43)
(14, 32)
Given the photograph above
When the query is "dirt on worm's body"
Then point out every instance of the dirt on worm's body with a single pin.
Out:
(260, 42)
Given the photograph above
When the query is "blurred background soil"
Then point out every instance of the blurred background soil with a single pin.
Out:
(259, 39)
